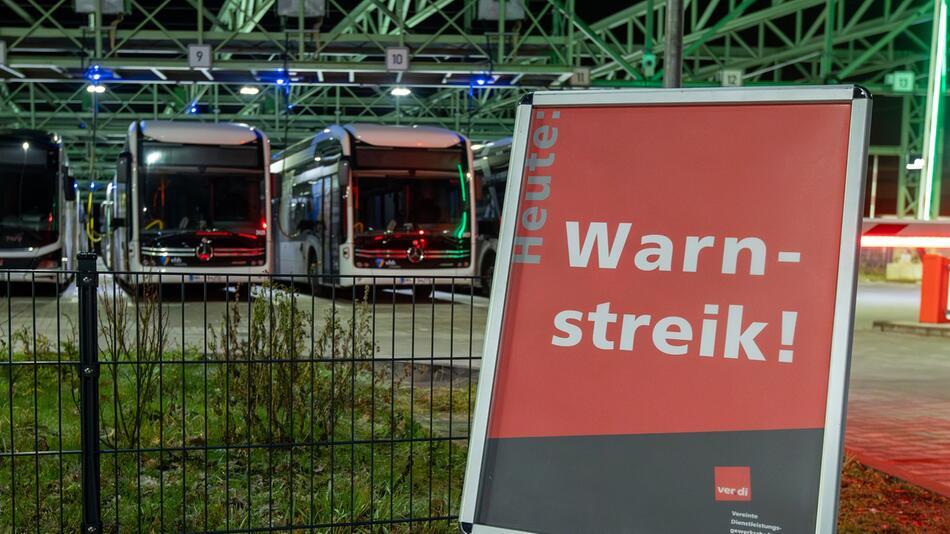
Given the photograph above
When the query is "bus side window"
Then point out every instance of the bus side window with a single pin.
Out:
(316, 202)
(498, 199)
(306, 208)
(299, 206)
(328, 151)
(483, 201)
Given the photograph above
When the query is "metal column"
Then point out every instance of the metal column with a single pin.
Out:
(928, 193)
(673, 50)
(87, 281)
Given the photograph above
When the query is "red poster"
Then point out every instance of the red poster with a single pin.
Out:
(668, 324)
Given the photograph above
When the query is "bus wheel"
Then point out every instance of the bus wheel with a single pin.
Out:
(486, 273)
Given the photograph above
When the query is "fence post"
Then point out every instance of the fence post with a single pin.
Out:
(87, 281)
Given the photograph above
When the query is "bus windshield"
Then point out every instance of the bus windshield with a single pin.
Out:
(201, 187)
(29, 199)
(181, 200)
(387, 204)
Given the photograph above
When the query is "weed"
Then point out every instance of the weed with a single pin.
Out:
(135, 339)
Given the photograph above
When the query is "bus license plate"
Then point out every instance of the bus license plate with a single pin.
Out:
(409, 280)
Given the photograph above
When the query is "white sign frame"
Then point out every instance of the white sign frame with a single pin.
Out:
(842, 329)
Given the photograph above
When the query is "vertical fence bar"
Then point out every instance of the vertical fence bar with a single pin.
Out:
(87, 281)
(10, 387)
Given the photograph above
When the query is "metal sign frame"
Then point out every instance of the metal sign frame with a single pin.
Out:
(850, 230)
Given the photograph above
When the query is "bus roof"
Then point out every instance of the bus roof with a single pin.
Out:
(404, 136)
(199, 133)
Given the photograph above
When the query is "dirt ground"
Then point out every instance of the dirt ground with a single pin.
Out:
(873, 502)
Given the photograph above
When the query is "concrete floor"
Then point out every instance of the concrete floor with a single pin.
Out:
(899, 399)
(446, 329)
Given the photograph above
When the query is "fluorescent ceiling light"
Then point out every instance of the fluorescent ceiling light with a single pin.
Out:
(250, 90)
(400, 91)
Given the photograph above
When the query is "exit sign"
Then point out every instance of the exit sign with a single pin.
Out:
(902, 81)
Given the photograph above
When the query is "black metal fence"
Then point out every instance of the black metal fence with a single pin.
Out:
(199, 403)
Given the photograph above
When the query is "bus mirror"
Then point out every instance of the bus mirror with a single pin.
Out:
(69, 187)
(124, 167)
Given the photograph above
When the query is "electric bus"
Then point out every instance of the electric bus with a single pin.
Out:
(38, 209)
(491, 176)
(364, 200)
(189, 198)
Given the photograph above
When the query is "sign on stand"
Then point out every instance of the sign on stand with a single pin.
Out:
(668, 339)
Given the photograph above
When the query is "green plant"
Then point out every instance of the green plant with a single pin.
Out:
(279, 363)
(27, 341)
(132, 339)
(347, 342)
(25, 344)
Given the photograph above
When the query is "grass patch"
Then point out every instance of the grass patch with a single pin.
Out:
(394, 454)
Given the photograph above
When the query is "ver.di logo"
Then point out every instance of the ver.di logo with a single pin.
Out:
(733, 483)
